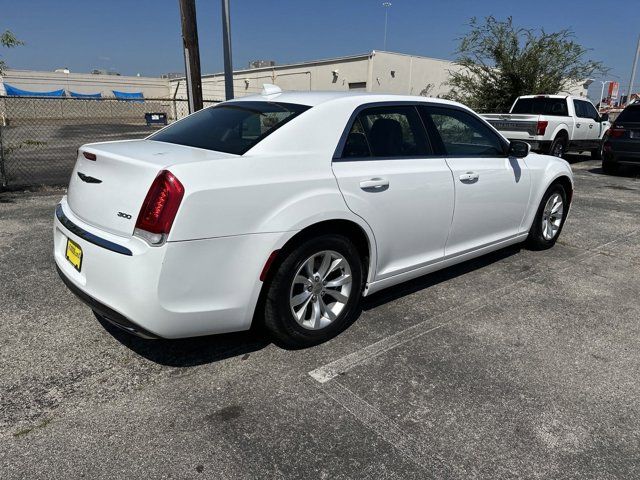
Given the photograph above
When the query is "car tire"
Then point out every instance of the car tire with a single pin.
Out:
(609, 168)
(548, 222)
(315, 292)
(558, 147)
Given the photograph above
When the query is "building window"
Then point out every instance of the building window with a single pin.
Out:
(357, 85)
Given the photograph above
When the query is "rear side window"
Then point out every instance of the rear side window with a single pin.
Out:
(465, 135)
(629, 114)
(542, 106)
(230, 127)
(389, 131)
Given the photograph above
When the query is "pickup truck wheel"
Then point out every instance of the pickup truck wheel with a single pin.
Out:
(549, 219)
(315, 292)
(558, 147)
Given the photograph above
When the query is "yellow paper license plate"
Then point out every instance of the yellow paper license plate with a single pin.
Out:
(74, 254)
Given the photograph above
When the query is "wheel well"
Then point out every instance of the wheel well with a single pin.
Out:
(566, 184)
(349, 229)
(562, 133)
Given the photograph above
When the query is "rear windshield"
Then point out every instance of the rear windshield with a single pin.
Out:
(629, 114)
(542, 106)
(230, 127)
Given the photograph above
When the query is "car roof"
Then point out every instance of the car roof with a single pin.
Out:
(318, 97)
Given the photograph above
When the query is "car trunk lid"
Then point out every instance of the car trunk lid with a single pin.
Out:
(108, 192)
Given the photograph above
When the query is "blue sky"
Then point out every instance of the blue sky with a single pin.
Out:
(143, 36)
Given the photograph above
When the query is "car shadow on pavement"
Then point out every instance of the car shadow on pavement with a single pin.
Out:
(190, 352)
(577, 157)
(431, 279)
(627, 171)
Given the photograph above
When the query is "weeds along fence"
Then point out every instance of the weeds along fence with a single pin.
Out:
(39, 137)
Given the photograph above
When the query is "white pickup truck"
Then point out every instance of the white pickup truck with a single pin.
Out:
(554, 124)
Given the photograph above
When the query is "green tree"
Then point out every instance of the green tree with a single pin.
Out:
(8, 40)
(500, 62)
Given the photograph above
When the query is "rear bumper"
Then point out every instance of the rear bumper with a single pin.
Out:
(623, 156)
(181, 289)
(107, 313)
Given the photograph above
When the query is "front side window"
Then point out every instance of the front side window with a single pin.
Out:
(590, 111)
(230, 127)
(389, 131)
(580, 110)
(465, 135)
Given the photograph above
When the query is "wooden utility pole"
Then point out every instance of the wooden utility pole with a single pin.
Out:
(226, 44)
(191, 54)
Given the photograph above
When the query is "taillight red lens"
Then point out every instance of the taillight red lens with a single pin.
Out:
(161, 204)
(542, 127)
(616, 131)
(89, 156)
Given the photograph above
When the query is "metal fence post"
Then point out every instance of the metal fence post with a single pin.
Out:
(3, 176)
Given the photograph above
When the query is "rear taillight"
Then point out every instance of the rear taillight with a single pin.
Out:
(89, 156)
(616, 131)
(159, 208)
(541, 128)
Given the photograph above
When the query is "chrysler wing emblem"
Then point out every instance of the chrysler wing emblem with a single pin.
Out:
(88, 179)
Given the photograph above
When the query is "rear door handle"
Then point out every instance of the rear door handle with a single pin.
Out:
(374, 184)
(578, 125)
(591, 125)
(469, 177)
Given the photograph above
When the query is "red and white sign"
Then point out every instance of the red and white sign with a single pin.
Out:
(614, 88)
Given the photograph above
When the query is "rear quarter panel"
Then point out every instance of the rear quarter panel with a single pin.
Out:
(284, 183)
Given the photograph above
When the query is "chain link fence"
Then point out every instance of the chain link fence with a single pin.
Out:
(39, 137)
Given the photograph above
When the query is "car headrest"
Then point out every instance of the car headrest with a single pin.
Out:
(356, 145)
(386, 137)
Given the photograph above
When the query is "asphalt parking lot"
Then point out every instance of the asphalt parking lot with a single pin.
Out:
(520, 364)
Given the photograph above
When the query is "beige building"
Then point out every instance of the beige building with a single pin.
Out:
(384, 72)
(372, 72)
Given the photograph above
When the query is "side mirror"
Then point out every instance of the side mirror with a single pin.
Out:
(604, 117)
(518, 149)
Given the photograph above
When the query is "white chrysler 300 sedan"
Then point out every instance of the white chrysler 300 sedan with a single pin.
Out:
(287, 208)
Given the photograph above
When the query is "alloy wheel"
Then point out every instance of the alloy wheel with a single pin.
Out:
(558, 149)
(320, 289)
(552, 216)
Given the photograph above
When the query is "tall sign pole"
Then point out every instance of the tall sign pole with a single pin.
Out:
(386, 6)
(226, 43)
(191, 53)
(633, 72)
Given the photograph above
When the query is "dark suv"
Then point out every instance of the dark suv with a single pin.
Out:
(622, 143)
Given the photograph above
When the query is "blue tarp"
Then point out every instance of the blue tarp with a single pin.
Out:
(16, 92)
(136, 97)
(85, 95)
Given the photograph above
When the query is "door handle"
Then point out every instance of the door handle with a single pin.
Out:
(374, 184)
(578, 125)
(469, 177)
(591, 125)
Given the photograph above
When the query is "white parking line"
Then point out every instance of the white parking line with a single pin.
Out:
(342, 365)
(412, 448)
